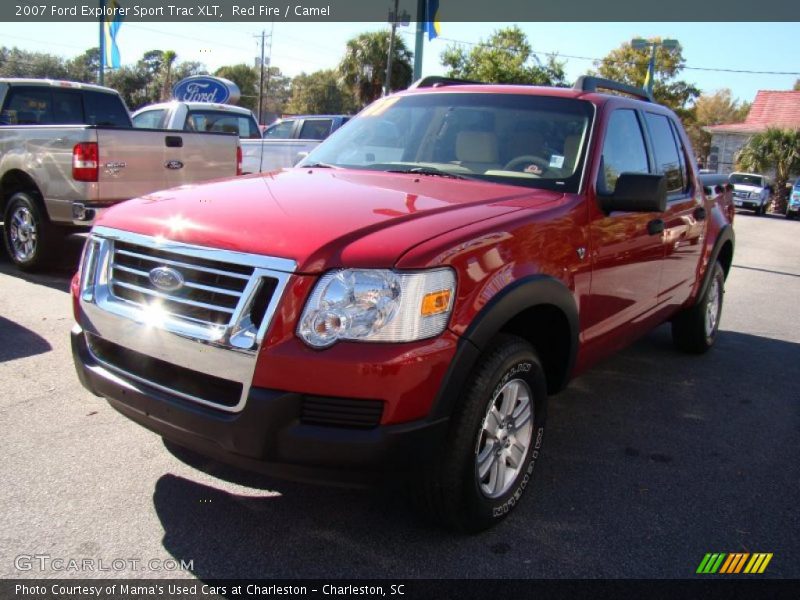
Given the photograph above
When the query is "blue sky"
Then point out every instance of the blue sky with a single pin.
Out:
(307, 47)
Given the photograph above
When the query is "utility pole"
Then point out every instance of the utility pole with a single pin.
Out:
(419, 39)
(387, 84)
(261, 80)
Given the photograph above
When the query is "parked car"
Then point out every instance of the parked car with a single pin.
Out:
(68, 151)
(403, 303)
(209, 117)
(751, 191)
(793, 207)
(290, 139)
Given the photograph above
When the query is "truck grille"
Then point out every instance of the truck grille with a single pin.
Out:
(210, 293)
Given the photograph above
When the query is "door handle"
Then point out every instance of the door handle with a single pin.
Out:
(173, 141)
(655, 227)
(700, 213)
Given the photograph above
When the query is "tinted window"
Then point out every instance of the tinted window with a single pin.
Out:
(67, 108)
(222, 122)
(282, 130)
(149, 119)
(623, 150)
(316, 129)
(668, 162)
(28, 106)
(106, 110)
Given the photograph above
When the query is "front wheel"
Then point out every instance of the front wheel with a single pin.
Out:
(494, 440)
(28, 235)
(695, 329)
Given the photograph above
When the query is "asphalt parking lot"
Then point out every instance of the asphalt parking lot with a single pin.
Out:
(651, 460)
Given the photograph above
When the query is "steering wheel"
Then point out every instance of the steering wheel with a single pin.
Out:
(526, 159)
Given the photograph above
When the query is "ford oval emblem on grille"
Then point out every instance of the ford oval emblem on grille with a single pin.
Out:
(166, 279)
(174, 164)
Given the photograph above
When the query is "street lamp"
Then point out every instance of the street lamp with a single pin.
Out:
(641, 44)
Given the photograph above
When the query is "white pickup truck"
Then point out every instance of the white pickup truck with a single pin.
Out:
(283, 144)
(68, 150)
(751, 191)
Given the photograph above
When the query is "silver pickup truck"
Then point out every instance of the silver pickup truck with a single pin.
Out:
(68, 150)
(284, 142)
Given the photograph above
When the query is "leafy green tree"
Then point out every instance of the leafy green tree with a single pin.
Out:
(712, 109)
(21, 63)
(506, 57)
(629, 65)
(277, 90)
(84, 67)
(168, 62)
(132, 84)
(777, 149)
(796, 87)
(320, 92)
(247, 79)
(363, 68)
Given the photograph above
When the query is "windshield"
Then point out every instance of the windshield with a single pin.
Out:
(518, 139)
(746, 180)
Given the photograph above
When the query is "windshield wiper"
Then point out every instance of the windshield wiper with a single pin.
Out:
(433, 171)
(319, 165)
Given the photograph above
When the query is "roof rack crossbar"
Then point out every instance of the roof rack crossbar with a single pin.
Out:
(587, 83)
(439, 81)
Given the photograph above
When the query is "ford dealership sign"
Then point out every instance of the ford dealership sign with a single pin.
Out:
(205, 88)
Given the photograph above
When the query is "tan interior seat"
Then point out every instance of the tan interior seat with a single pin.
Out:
(477, 151)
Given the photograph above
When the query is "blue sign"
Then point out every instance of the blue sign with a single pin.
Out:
(205, 88)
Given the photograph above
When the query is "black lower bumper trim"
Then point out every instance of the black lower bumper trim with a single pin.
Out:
(267, 435)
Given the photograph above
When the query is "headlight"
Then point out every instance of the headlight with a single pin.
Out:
(87, 272)
(377, 305)
(755, 194)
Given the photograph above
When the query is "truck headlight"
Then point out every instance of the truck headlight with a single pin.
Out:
(377, 305)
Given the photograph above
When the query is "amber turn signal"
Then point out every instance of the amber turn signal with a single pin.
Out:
(435, 303)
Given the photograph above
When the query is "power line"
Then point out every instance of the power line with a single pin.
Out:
(623, 62)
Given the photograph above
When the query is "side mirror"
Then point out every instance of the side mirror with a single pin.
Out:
(637, 192)
(300, 156)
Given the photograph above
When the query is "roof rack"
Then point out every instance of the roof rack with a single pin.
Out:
(439, 81)
(587, 83)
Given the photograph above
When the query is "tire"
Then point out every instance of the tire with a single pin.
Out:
(695, 329)
(492, 448)
(29, 237)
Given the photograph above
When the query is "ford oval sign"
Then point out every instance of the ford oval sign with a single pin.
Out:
(166, 279)
(204, 88)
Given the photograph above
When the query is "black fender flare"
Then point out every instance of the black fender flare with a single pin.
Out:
(536, 290)
(725, 235)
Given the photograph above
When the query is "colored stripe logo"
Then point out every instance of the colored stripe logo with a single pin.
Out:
(734, 562)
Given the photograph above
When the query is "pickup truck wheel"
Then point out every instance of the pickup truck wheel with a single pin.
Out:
(695, 329)
(28, 235)
(494, 440)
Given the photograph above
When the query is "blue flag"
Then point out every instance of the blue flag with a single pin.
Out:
(432, 25)
(111, 25)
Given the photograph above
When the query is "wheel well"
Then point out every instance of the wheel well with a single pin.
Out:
(547, 329)
(725, 257)
(16, 181)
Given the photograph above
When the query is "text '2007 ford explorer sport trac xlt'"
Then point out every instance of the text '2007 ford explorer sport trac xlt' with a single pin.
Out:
(407, 298)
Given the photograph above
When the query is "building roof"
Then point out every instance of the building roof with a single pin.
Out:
(771, 108)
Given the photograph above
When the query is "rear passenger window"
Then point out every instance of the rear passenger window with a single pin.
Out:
(28, 106)
(316, 129)
(623, 150)
(106, 110)
(668, 162)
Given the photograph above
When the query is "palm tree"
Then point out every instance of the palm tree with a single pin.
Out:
(363, 68)
(777, 149)
(167, 61)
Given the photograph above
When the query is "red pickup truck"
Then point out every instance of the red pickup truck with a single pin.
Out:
(406, 299)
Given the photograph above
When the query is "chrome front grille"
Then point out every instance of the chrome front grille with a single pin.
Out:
(211, 322)
(210, 293)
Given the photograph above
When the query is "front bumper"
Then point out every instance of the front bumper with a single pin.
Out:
(86, 214)
(753, 204)
(268, 435)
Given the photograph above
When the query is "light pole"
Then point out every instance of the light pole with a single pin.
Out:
(641, 44)
(395, 19)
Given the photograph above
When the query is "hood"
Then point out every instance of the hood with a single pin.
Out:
(742, 187)
(321, 218)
